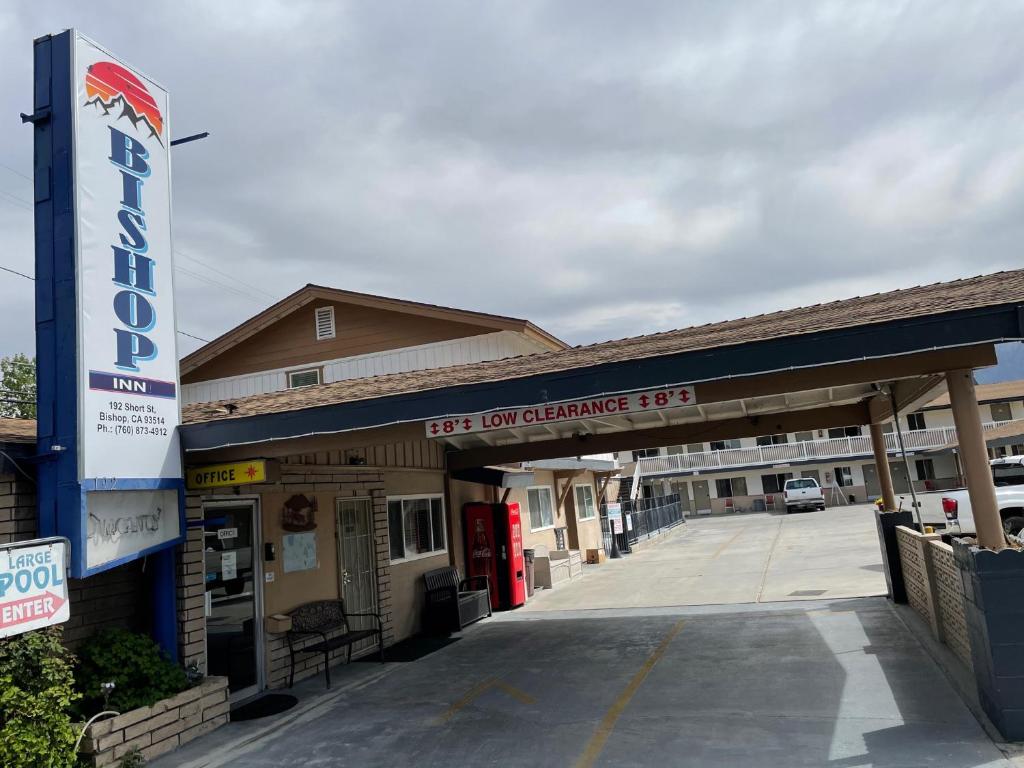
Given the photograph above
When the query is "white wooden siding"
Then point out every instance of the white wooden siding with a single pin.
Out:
(442, 354)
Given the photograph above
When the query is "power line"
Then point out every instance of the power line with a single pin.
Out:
(15, 171)
(16, 272)
(29, 277)
(17, 202)
(221, 272)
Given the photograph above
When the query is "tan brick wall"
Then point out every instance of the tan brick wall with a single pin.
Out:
(913, 561)
(934, 588)
(158, 729)
(17, 508)
(114, 598)
(949, 599)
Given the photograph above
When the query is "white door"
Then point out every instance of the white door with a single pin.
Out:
(357, 561)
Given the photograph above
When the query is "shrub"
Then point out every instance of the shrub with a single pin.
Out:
(142, 674)
(36, 691)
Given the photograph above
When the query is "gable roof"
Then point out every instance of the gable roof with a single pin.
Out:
(311, 293)
(987, 393)
(938, 299)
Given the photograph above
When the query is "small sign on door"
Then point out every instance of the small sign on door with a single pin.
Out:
(228, 566)
(227, 533)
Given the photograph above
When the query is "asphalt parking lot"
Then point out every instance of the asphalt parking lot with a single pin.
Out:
(826, 680)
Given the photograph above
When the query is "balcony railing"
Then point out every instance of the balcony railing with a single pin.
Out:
(804, 450)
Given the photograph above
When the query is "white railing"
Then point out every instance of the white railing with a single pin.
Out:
(804, 450)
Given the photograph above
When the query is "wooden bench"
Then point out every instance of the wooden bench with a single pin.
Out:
(451, 603)
(328, 620)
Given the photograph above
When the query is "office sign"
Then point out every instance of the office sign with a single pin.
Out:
(221, 475)
(570, 410)
(33, 586)
(106, 338)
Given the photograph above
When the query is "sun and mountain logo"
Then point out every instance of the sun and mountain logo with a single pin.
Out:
(111, 87)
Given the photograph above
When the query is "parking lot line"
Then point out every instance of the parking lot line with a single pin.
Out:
(480, 688)
(607, 725)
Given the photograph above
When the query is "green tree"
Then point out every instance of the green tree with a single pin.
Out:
(18, 387)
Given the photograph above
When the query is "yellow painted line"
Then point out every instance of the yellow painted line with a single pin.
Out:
(596, 744)
(515, 693)
(722, 548)
(479, 689)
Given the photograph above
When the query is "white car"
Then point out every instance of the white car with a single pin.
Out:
(1008, 476)
(803, 493)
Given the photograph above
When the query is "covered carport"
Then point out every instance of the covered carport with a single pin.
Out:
(851, 362)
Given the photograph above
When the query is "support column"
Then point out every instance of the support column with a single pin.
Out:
(974, 456)
(164, 599)
(882, 467)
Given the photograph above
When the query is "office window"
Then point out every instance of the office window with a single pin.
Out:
(646, 453)
(775, 483)
(585, 509)
(843, 476)
(542, 514)
(416, 527)
(925, 469)
(915, 421)
(803, 437)
(772, 439)
(303, 378)
(724, 445)
(1001, 412)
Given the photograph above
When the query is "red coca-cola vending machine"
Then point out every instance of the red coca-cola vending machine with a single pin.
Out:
(494, 548)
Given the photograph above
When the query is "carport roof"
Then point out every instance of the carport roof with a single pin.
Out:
(901, 306)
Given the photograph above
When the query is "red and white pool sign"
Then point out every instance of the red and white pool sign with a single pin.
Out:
(33, 586)
(570, 410)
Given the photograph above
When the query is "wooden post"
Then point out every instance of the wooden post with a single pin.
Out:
(882, 467)
(974, 456)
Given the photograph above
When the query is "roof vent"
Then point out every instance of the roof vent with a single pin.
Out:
(324, 323)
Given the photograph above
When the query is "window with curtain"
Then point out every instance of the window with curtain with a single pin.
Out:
(585, 508)
(541, 510)
(416, 527)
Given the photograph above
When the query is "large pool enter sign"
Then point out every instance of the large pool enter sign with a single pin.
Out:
(33, 586)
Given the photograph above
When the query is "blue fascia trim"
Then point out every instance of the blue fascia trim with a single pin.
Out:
(898, 337)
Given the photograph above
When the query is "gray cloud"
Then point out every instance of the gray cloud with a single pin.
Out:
(604, 169)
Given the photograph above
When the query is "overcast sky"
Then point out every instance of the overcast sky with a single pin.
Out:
(604, 169)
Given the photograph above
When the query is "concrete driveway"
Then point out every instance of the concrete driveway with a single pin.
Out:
(838, 683)
(738, 559)
(613, 670)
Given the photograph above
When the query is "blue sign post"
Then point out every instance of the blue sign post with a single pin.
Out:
(110, 472)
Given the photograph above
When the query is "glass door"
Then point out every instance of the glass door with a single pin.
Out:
(357, 563)
(233, 597)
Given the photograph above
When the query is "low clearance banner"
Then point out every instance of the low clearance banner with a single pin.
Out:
(569, 410)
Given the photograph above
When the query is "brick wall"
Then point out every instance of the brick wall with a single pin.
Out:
(114, 598)
(309, 473)
(158, 729)
(934, 588)
(17, 508)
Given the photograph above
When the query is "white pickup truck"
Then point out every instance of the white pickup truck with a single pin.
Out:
(803, 493)
(1008, 476)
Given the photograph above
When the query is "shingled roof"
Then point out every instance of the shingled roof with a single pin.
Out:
(970, 293)
(17, 430)
(987, 393)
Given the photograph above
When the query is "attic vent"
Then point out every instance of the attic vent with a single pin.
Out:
(303, 378)
(324, 323)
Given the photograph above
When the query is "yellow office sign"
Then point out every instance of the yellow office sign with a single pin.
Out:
(219, 475)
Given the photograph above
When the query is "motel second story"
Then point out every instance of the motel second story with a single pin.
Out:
(749, 473)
